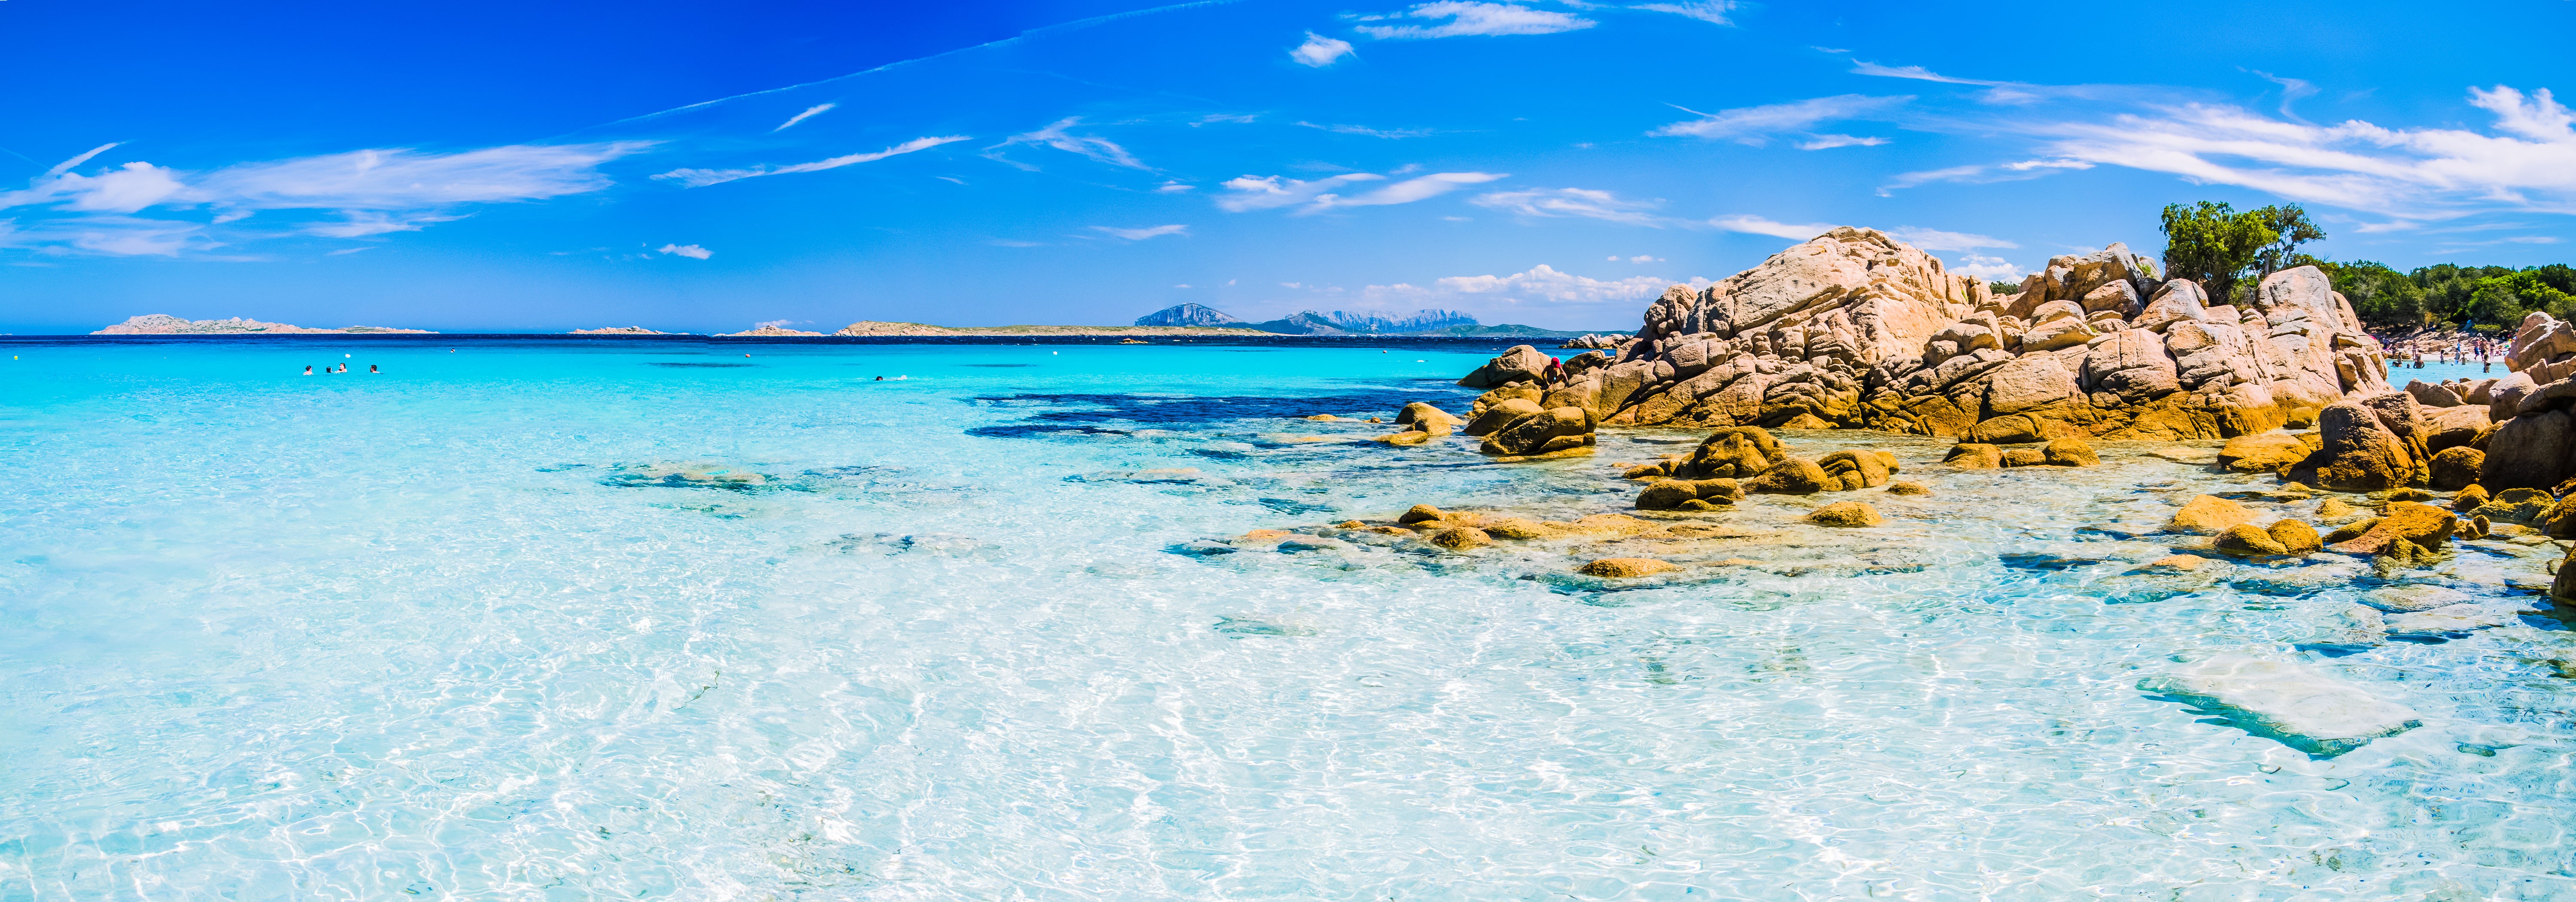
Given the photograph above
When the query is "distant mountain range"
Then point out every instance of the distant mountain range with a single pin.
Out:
(1338, 322)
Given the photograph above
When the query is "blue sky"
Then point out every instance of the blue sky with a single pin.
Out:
(472, 166)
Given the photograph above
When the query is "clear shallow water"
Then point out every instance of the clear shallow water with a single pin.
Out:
(456, 631)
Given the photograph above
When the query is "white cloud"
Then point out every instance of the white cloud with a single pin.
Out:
(1320, 51)
(690, 251)
(1937, 240)
(1407, 191)
(1371, 132)
(1992, 269)
(1470, 18)
(1999, 92)
(1055, 135)
(369, 187)
(409, 179)
(1175, 187)
(1979, 175)
(125, 190)
(700, 178)
(362, 223)
(1713, 11)
(810, 112)
(1543, 282)
(1827, 142)
(1643, 258)
(1577, 202)
(122, 236)
(1753, 125)
(1756, 225)
(1144, 233)
(1916, 73)
(1270, 192)
(2428, 173)
(346, 251)
(2291, 90)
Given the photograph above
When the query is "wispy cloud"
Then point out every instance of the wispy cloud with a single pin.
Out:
(1828, 142)
(1056, 135)
(2291, 90)
(1144, 233)
(809, 113)
(1574, 202)
(2527, 163)
(1543, 282)
(1916, 73)
(690, 251)
(1371, 132)
(1976, 174)
(1320, 51)
(1754, 125)
(700, 178)
(1712, 11)
(1318, 195)
(1997, 92)
(1992, 269)
(377, 191)
(347, 250)
(1408, 191)
(1756, 225)
(362, 223)
(1937, 240)
(110, 235)
(1470, 19)
(412, 180)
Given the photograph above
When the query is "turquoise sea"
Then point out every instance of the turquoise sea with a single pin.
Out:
(609, 619)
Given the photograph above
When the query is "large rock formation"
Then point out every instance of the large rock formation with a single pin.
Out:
(2533, 444)
(1855, 329)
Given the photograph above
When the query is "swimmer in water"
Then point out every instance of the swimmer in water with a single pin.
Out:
(371, 370)
(308, 369)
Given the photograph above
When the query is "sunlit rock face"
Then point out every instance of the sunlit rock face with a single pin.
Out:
(1855, 329)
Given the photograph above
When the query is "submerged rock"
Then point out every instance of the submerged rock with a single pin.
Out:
(1625, 567)
(1846, 513)
(2295, 703)
(2209, 514)
(1791, 476)
(1672, 494)
(2422, 525)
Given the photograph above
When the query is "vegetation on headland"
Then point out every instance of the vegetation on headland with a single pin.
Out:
(2229, 253)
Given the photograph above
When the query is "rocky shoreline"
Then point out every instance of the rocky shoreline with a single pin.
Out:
(2453, 500)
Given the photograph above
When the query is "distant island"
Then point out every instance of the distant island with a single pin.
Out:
(876, 329)
(1309, 322)
(1182, 320)
(165, 324)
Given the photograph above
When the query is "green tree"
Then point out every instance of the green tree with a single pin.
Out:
(2290, 228)
(2506, 299)
(2380, 296)
(2212, 244)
